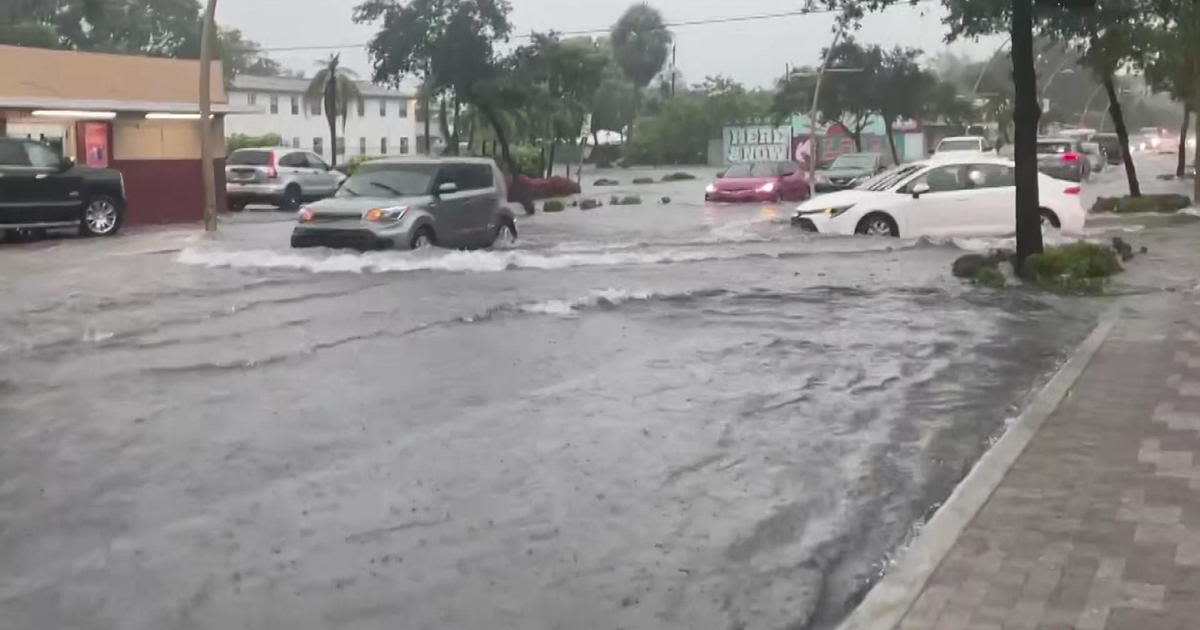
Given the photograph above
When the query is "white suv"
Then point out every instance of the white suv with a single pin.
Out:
(280, 177)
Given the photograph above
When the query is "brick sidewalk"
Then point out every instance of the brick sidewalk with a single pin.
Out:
(1097, 524)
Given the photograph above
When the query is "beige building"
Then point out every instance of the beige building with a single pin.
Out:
(136, 114)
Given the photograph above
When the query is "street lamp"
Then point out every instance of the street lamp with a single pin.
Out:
(206, 158)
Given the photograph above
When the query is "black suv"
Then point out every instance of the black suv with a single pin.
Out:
(40, 189)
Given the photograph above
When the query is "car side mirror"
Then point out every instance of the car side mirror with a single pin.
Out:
(920, 189)
(66, 164)
(447, 188)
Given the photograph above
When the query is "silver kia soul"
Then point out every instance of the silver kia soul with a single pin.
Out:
(411, 203)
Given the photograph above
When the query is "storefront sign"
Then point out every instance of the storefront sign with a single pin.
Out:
(95, 142)
(757, 143)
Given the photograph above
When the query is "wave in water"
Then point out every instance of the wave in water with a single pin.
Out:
(600, 297)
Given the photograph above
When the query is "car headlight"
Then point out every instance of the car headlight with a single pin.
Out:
(377, 215)
(710, 189)
(821, 179)
(837, 211)
(1155, 142)
(767, 187)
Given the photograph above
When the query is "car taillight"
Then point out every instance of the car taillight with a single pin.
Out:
(272, 172)
(1070, 157)
(1072, 190)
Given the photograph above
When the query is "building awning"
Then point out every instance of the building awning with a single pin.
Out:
(119, 106)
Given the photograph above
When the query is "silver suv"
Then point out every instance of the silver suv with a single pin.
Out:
(411, 204)
(279, 177)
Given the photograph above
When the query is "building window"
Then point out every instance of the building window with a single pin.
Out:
(274, 103)
(362, 107)
(422, 145)
(340, 143)
(362, 146)
(319, 146)
(252, 99)
(383, 107)
(383, 146)
(404, 146)
(295, 105)
(315, 107)
(296, 142)
(403, 108)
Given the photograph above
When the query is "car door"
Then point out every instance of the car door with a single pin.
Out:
(481, 199)
(991, 199)
(791, 182)
(16, 184)
(938, 211)
(57, 185)
(293, 167)
(325, 179)
(450, 210)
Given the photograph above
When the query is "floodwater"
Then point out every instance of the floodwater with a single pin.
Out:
(661, 416)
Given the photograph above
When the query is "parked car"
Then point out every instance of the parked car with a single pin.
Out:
(760, 181)
(41, 189)
(1111, 144)
(412, 203)
(971, 195)
(973, 144)
(849, 170)
(1063, 158)
(1094, 154)
(284, 178)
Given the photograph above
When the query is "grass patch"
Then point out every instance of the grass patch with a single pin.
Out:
(1078, 268)
(990, 276)
(1145, 203)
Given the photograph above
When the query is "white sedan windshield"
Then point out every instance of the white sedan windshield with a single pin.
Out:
(890, 178)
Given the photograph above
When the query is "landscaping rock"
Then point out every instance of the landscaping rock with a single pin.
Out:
(967, 266)
(631, 200)
(604, 181)
(588, 204)
(643, 180)
(1123, 249)
(554, 205)
(664, 200)
(678, 177)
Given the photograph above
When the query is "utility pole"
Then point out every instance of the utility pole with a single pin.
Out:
(1025, 117)
(812, 113)
(672, 70)
(206, 151)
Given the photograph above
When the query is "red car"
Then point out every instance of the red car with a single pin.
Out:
(760, 181)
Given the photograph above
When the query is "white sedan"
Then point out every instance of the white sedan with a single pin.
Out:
(970, 195)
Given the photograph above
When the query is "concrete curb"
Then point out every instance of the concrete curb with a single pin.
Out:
(889, 601)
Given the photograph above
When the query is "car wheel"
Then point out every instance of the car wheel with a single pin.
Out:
(237, 206)
(877, 224)
(506, 235)
(291, 198)
(423, 239)
(101, 217)
(1049, 219)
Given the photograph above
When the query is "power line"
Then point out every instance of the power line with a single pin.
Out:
(601, 31)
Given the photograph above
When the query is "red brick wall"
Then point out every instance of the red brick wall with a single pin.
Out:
(167, 191)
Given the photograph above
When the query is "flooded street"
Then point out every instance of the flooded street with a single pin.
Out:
(659, 416)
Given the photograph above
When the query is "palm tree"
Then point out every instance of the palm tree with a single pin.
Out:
(640, 41)
(335, 87)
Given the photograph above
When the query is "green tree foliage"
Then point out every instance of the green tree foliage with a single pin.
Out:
(680, 130)
(901, 90)
(335, 88)
(641, 43)
(242, 141)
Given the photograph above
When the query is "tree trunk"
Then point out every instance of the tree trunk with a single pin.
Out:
(887, 126)
(517, 189)
(637, 101)
(331, 113)
(1114, 110)
(1195, 161)
(1025, 119)
(1183, 133)
(550, 162)
(457, 135)
(856, 136)
(444, 124)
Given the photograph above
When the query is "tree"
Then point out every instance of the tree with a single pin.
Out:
(1172, 62)
(243, 56)
(641, 43)
(451, 43)
(943, 101)
(333, 86)
(850, 98)
(901, 89)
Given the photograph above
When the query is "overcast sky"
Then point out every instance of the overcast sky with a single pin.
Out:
(754, 53)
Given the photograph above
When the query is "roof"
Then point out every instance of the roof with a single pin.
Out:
(299, 85)
(120, 106)
(57, 77)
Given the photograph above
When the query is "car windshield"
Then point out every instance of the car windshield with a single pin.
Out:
(890, 178)
(389, 180)
(1053, 148)
(854, 161)
(249, 157)
(760, 169)
(958, 145)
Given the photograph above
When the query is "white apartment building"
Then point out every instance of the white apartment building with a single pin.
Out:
(385, 121)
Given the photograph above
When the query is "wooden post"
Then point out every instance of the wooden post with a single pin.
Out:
(206, 150)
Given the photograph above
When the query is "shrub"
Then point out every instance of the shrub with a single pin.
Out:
(242, 141)
(554, 205)
(557, 186)
(1076, 268)
(1145, 203)
(529, 159)
(990, 276)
